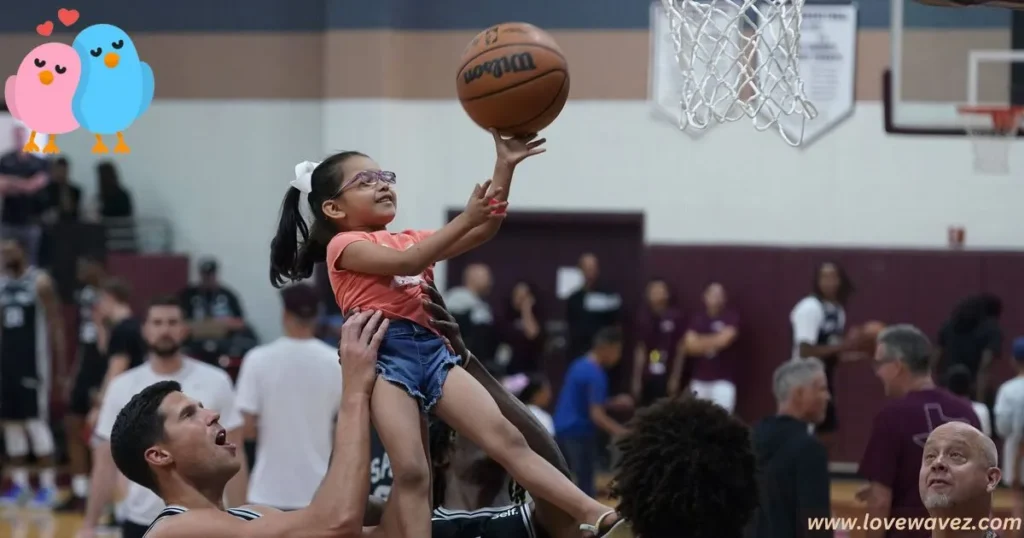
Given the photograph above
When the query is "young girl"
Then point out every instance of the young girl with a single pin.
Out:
(352, 201)
(535, 392)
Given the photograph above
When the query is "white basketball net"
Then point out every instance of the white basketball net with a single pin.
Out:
(991, 146)
(740, 58)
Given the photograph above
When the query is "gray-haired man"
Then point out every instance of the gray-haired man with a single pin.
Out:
(916, 408)
(794, 478)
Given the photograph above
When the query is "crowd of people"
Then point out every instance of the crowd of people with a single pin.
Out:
(40, 193)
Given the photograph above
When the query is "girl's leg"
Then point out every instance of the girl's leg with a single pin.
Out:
(469, 410)
(397, 418)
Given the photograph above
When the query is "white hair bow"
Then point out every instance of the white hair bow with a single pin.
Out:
(304, 176)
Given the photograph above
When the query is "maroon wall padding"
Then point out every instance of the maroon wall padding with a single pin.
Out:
(148, 275)
(893, 286)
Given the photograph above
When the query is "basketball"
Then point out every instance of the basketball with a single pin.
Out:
(513, 78)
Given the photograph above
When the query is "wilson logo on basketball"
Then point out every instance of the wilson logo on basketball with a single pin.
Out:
(513, 63)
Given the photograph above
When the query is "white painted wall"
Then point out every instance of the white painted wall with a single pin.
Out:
(218, 170)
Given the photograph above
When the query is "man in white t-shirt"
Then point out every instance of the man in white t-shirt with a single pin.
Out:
(293, 376)
(164, 330)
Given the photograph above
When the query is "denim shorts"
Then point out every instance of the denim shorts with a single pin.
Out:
(416, 359)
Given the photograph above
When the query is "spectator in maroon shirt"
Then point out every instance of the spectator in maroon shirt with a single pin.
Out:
(522, 333)
(658, 351)
(959, 472)
(891, 461)
(709, 340)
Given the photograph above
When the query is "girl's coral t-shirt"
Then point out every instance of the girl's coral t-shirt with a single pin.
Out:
(398, 297)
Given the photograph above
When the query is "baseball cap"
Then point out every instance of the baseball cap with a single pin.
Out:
(301, 300)
(1018, 348)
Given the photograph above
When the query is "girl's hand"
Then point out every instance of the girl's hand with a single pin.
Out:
(512, 151)
(482, 208)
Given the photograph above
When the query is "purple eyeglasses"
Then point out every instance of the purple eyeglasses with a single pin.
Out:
(369, 178)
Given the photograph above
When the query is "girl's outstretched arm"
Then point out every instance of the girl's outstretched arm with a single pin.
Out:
(510, 152)
(371, 258)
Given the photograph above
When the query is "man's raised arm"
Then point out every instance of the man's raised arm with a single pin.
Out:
(337, 508)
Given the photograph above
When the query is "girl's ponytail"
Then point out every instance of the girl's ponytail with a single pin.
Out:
(298, 246)
(286, 245)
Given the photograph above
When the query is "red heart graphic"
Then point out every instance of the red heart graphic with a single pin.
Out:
(67, 17)
(45, 29)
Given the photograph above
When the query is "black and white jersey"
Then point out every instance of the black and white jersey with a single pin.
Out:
(24, 346)
(91, 364)
(86, 298)
(381, 475)
(241, 513)
(817, 322)
(515, 521)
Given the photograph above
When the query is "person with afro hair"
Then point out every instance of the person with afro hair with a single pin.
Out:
(687, 470)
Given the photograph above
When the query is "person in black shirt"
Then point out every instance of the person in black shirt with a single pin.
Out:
(63, 198)
(214, 313)
(90, 366)
(32, 356)
(121, 338)
(114, 205)
(22, 176)
(590, 309)
(972, 337)
(793, 464)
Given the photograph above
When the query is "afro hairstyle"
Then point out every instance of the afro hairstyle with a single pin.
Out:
(687, 468)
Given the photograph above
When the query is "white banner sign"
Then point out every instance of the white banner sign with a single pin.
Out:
(828, 63)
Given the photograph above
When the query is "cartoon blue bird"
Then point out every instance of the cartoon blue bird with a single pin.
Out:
(115, 87)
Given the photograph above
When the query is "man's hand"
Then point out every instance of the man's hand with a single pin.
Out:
(361, 336)
(864, 494)
(621, 402)
(443, 321)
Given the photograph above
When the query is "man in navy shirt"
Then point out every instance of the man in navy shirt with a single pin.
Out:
(22, 176)
(581, 406)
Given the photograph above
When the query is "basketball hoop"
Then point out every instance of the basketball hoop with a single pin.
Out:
(739, 58)
(992, 143)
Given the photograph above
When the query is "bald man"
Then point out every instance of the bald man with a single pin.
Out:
(959, 472)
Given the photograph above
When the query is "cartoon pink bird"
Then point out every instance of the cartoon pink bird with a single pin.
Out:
(40, 94)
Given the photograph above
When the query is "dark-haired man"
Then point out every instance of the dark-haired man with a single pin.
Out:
(22, 176)
(31, 339)
(123, 345)
(90, 366)
(173, 445)
(581, 406)
(687, 468)
(164, 330)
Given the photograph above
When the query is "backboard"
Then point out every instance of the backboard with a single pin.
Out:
(945, 57)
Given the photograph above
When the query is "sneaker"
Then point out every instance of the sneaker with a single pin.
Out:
(71, 504)
(44, 498)
(15, 495)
